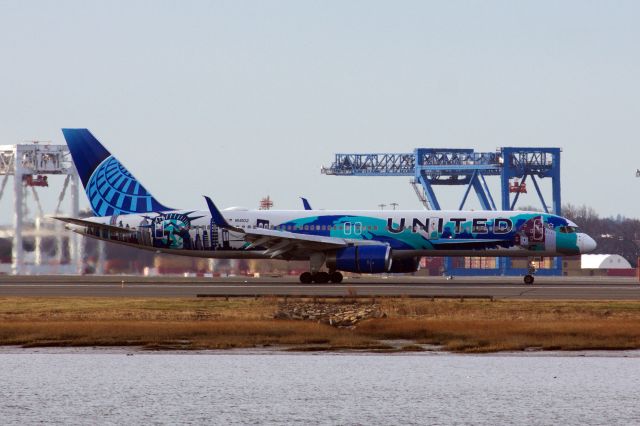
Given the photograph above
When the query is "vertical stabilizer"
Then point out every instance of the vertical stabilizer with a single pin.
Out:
(111, 189)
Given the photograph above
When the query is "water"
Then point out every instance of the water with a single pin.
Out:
(98, 387)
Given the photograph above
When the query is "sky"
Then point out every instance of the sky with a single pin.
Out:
(243, 99)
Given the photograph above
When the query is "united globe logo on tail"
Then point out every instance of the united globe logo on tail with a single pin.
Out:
(111, 189)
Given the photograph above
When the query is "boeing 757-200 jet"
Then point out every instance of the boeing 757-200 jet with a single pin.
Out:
(362, 241)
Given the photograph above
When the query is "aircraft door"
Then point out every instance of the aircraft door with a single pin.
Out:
(538, 230)
(550, 243)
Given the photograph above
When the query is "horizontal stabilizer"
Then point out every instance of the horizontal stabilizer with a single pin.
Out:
(102, 226)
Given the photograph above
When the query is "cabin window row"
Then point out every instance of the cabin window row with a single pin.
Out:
(346, 227)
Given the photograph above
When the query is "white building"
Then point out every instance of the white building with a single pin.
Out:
(604, 261)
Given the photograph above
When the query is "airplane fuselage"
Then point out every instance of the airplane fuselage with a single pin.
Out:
(348, 241)
(407, 233)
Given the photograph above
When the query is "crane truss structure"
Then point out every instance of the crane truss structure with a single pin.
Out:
(30, 164)
(433, 167)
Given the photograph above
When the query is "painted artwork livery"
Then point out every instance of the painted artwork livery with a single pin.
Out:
(351, 241)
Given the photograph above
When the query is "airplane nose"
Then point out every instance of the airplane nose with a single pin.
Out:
(586, 244)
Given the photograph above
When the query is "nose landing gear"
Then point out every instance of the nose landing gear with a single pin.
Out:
(529, 279)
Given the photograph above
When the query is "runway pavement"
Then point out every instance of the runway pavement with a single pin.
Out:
(591, 288)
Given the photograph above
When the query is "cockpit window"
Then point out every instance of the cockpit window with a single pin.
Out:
(568, 229)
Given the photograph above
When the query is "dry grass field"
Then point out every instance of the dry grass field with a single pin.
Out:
(461, 326)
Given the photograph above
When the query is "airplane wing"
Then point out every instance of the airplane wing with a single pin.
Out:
(280, 242)
(103, 226)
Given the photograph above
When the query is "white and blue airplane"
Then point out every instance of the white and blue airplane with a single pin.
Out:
(363, 241)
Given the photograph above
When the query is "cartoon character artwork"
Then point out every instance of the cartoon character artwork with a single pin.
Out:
(532, 234)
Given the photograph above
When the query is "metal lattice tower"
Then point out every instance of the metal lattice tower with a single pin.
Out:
(433, 167)
(30, 164)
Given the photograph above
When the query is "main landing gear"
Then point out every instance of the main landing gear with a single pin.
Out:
(316, 261)
(321, 277)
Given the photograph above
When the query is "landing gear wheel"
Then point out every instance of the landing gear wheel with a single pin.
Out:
(528, 279)
(321, 277)
(335, 277)
(306, 278)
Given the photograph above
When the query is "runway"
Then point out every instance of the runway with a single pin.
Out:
(545, 288)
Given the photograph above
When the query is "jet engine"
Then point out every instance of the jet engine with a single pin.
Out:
(370, 259)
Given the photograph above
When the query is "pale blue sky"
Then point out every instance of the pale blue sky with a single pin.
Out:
(242, 99)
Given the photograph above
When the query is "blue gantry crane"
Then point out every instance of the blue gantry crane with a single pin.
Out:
(431, 167)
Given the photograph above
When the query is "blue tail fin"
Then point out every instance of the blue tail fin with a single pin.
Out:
(110, 187)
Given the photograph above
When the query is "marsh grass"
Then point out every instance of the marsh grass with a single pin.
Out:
(222, 334)
(508, 335)
(471, 326)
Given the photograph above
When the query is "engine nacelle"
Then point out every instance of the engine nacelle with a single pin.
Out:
(372, 259)
(405, 265)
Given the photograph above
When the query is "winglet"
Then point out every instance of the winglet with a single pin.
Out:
(217, 217)
(306, 204)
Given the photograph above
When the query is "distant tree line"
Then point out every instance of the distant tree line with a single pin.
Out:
(614, 235)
